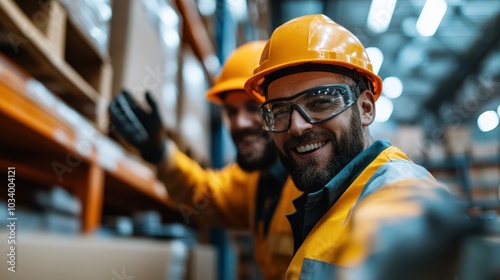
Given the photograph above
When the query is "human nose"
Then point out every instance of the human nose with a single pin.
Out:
(298, 124)
(243, 120)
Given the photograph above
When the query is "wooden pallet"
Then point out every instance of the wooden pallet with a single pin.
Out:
(41, 38)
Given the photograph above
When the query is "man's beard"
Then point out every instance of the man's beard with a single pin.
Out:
(267, 158)
(307, 175)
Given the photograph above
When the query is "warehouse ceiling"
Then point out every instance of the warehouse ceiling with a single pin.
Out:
(448, 79)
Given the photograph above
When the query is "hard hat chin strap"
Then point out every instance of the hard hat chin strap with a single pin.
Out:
(311, 67)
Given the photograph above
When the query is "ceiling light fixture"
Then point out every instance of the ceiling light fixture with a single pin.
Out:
(384, 108)
(376, 57)
(488, 121)
(392, 87)
(430, 17)
(380, 15)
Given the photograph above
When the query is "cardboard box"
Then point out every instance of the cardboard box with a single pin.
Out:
(53, 257)
(457, 141)
(202, 264)
(149, 54)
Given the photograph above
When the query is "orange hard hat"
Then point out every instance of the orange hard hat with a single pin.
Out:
(236, 70)
(312, 39)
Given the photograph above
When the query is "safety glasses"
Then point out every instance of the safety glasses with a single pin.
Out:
(315, 105)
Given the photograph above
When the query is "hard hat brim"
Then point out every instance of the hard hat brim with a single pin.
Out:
(253, 85)
(215, 93)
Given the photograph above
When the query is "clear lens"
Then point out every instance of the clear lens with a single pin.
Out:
(315, 105)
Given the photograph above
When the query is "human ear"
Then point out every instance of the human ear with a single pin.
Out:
(366, 103)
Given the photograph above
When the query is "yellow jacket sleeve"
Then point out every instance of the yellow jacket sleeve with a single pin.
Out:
(222, 197)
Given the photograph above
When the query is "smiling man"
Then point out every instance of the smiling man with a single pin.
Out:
(254, 194)
(313, 157)
(363, 199)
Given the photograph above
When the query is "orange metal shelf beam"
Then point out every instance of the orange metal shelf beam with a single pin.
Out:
(46, 138)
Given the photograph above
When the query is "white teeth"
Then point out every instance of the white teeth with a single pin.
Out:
(310, 147)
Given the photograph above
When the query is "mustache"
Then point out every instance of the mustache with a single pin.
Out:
(237, 135)
(307, 138)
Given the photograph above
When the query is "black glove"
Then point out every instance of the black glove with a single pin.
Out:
(140, 128)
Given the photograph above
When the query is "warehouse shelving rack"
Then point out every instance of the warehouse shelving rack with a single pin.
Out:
(55, 86)
(475, 179)
(44, 40)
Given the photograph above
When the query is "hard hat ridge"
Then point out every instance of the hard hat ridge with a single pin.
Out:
(312, 39)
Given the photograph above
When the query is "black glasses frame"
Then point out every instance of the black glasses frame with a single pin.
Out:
(349, 92)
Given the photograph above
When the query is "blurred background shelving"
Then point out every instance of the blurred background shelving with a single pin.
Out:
(79, 190)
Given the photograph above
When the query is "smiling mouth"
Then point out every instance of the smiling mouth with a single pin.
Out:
(310, 147)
